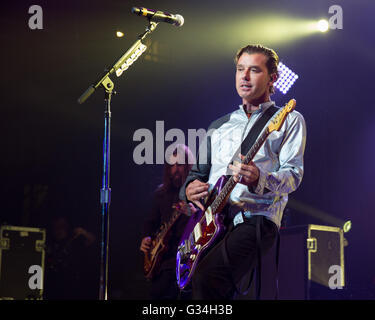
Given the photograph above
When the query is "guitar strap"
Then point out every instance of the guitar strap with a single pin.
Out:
(246, 145)
(254, 132)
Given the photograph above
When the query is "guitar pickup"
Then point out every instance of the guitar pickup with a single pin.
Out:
(197, 233)
(209, 217)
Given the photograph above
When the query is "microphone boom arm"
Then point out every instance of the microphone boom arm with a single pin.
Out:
(118, 64)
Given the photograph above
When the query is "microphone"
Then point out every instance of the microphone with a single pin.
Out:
(159, 16)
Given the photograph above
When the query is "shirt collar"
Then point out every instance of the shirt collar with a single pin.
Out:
(263, 106)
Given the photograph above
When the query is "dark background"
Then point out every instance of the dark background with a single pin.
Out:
(51, 147)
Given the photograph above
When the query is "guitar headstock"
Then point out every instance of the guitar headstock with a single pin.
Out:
(278, 120)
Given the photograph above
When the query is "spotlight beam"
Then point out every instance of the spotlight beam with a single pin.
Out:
(319, 214)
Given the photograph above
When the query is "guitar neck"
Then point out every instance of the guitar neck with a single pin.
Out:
(220, 200)
(168, 224)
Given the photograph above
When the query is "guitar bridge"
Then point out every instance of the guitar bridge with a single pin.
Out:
(184, 250)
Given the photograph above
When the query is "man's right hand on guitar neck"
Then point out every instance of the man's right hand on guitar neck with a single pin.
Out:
(195, 191)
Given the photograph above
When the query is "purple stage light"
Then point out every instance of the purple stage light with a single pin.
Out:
(286, 78)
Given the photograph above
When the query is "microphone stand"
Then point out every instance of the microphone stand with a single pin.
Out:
(107, 84)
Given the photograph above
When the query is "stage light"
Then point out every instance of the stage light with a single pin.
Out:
(347, 226)
(322, 25)
(119, 34)
(286, 78)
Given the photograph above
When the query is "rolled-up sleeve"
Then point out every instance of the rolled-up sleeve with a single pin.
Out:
(290, 172)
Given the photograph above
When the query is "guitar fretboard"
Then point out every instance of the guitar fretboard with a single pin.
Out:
(166, 226)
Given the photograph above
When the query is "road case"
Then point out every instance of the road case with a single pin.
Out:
(22, 255)
(311, 264)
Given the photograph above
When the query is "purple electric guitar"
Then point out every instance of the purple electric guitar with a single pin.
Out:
(204, 228)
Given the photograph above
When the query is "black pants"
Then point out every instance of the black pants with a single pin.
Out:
(164, 286)
(215, 279)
